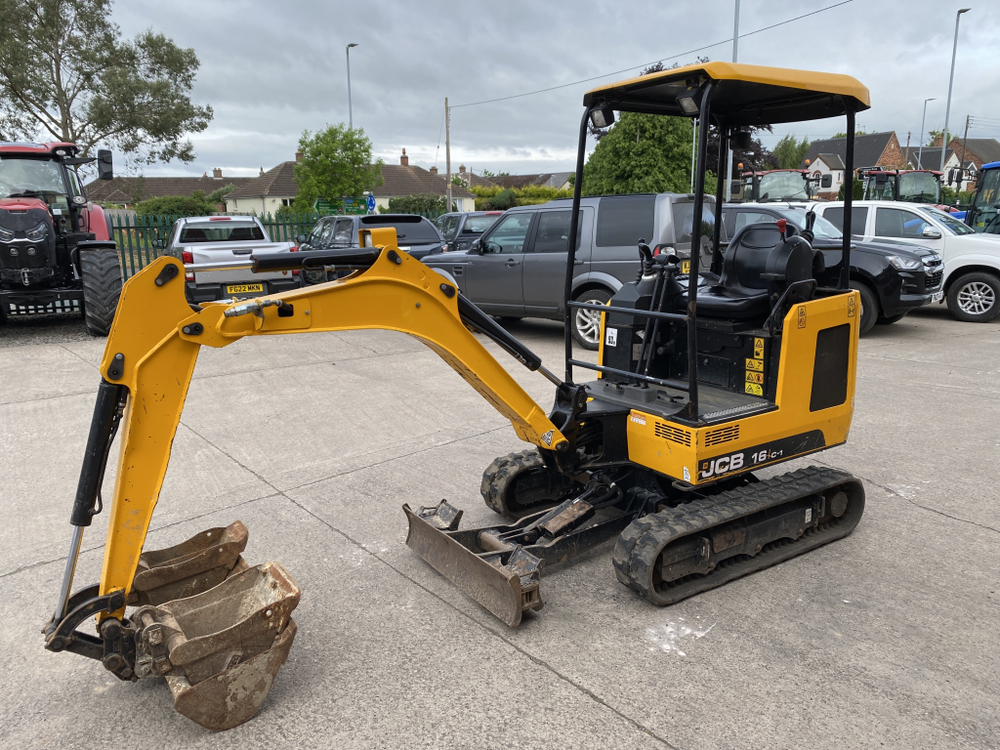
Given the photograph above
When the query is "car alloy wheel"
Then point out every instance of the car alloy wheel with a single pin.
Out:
(976, 298)
(587, 323)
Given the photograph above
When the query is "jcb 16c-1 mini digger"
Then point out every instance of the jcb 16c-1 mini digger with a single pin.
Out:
(703, 379)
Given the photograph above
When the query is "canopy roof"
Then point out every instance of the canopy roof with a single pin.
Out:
(742, 95)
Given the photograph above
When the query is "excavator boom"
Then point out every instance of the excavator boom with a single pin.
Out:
(146, 370)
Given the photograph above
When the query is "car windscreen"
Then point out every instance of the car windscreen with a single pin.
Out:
(683, 212)
(422, 232)
(919, 187)
(447, 225)
(478, 224)
(218, 231)
(783, 186)
(952, 224)
(30, 178)
(822, 229)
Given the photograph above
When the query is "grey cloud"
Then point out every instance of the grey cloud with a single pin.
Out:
(271, 70)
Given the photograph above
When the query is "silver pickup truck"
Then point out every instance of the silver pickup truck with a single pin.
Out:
(213, 239)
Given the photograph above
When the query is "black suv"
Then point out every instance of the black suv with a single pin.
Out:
(892, 279)
(460, 229)
(415, 234)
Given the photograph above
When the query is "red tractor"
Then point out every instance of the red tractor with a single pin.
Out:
(56, 251)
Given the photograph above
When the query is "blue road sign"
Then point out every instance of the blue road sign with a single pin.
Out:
(371, 202)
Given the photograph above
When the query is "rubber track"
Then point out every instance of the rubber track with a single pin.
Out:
(501, 473)
(102, 286)
(640, 544)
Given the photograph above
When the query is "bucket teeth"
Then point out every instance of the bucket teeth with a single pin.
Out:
(221, 649)
(191, 567)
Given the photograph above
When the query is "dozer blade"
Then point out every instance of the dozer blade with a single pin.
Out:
(504, 581)
(189, 568)
(221, 649)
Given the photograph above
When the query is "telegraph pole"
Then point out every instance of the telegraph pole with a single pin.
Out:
(732, 154)
(447, 155)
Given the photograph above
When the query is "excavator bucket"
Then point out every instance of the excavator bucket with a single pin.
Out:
(189, 568)
(503, 580)
(220, 650)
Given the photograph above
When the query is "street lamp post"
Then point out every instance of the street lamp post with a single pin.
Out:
(922, 120)
(951, 78)
(350, 112)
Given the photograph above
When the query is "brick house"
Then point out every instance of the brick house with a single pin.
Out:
(870, 150)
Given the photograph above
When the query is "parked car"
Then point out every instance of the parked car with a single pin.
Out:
(971, 281)
(213, 239)
(461, 228)
(415, 234)
(517, 268)
(892, 278)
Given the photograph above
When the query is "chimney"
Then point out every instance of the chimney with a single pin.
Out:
(434, 170)
(461, 169)
(404, 160)
(217, 173)
(298, 156)
(262, 171)
(204, 174)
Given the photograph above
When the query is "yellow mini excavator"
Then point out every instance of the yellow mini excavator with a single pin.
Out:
(703, 379)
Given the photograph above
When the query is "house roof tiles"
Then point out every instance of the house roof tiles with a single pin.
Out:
(135, 189)
(868, 149)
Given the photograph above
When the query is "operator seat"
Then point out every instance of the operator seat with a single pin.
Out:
(757, 268)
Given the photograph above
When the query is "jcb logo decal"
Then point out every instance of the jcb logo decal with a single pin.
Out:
(723, 465)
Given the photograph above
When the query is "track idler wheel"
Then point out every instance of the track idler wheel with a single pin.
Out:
(519, 484)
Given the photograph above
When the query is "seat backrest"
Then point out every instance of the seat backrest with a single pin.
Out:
(746, 258)
(759, 261)
(241, 234)
(194, 235)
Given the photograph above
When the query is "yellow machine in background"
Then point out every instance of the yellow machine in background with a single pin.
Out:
(703, 379)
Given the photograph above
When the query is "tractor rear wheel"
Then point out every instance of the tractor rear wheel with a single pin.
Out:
(102, 286)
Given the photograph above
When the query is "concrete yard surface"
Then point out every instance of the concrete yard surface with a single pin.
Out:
(887, 638)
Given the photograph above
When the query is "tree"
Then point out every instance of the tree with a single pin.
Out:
(857, 190)
(66, 74)
(641, 154)
(195, 204)
(418, 204)
(336, 163)
(790, 152)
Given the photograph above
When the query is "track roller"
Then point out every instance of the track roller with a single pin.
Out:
(678, 552)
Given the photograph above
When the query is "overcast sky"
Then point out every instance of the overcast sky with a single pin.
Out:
(271, 70)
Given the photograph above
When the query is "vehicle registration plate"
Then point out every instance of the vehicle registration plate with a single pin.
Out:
(244, 288)
(937, 296)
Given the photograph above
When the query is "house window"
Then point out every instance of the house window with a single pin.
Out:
(287, 201)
